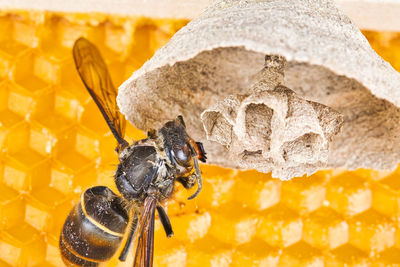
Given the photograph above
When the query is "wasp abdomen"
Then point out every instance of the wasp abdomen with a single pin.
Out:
(94, 228)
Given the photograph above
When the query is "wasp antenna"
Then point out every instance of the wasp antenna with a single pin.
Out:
(180, 119)
(198, 178)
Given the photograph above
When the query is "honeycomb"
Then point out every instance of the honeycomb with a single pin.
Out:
(54, 144)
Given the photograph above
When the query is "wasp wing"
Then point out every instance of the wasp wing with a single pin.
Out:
(94, 74)
(145, 240)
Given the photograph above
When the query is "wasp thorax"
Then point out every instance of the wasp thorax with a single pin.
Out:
(94, 228)
(136, 171)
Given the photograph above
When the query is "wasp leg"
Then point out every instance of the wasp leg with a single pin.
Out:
(128, 243)
(187, 182)
(152, 134)
(165, 221)
(198, 178)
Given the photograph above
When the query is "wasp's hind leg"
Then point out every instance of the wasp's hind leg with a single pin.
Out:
(165, 221)
(128, 242)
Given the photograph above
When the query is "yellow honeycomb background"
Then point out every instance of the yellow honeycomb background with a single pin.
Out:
(54, 144)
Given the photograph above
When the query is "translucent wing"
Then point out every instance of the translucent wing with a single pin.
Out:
(145, 241)
(94, 74)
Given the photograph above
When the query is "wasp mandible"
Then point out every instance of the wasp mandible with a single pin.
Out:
(146, 174)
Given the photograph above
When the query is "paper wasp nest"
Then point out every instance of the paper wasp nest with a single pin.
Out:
(271, 128)
(213, 65)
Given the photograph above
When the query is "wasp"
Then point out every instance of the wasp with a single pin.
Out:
(145, 177)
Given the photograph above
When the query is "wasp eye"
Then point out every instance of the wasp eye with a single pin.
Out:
(183, 156)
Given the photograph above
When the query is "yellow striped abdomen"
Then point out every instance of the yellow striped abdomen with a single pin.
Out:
(94, 228)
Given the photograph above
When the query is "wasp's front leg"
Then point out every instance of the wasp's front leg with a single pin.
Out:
(187, 182)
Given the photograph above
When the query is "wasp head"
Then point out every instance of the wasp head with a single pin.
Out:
(182, 151)
(179, 147)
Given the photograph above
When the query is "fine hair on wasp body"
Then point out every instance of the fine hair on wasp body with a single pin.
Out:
(146, 174)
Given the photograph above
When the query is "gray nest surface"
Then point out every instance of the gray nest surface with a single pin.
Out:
(324, 100)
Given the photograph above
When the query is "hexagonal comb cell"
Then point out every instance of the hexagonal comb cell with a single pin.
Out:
(12, 207)
(26, 170)
(58, 36)
(280, 226)
(14, 132)
(325, 229)
(28, 103)
(347, 255)
(301, 254)
(29, 71)
(239, 225)
(54, 144)
(17, 35)
(371, 232)
(257, 190)
(386, 197)
(305, 194)
(349, 194)
(256, 253)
